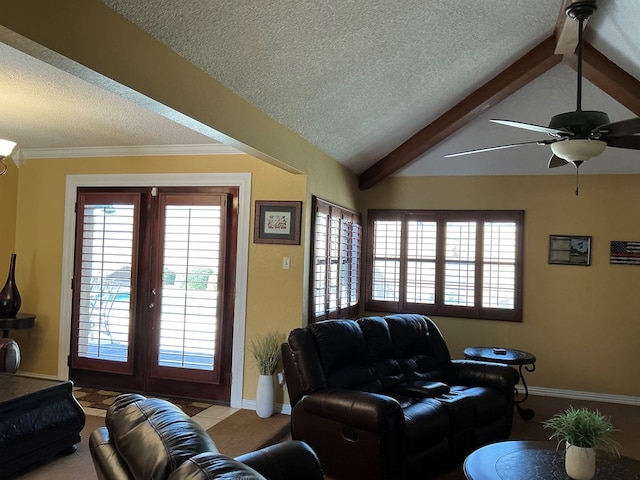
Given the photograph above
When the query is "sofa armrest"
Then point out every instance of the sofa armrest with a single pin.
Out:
(367, 411)
(290, 460)
(106, 460)
(473, 372)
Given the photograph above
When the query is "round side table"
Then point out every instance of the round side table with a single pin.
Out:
(523, 360)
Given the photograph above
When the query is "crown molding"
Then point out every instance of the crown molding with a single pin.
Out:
(126, 151)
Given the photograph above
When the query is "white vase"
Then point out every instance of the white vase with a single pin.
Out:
(580, 462)
(265, 396)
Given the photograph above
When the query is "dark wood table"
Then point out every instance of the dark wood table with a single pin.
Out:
(39, 419)
(509, 356)
(20, 321)
(538, 461)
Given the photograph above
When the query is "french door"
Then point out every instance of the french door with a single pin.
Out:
(153, 290)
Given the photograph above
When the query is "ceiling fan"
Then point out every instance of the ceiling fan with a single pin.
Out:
(580, 135)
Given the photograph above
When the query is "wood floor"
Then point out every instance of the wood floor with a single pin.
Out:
(626, 418)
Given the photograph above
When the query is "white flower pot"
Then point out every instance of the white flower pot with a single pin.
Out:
(579, 462)
(265, 396)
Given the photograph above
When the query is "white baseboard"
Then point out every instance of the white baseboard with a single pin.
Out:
(589, 396)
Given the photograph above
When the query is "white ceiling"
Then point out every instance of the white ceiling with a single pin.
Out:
(355, 78)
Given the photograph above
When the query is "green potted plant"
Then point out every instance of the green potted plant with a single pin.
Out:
(266, 355)
(583, 431)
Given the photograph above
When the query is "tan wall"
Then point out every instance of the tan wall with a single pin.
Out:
(8, 200)
(274, 296)
(582, 323)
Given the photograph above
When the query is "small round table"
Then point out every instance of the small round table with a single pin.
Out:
(20, 321)
(509, 356)
(535, 460)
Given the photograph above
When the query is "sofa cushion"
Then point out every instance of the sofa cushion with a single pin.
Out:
(344, 357)
(208, 465)
(417, 348)
(490, 403)
(381, 352)
(154, 436)
(426, 422)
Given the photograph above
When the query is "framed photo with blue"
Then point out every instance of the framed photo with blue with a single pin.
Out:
(570, 250)
(277, 222)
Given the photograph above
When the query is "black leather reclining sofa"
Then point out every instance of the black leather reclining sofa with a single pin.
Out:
(380, 397)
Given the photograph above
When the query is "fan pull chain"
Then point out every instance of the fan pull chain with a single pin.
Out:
(577, 164)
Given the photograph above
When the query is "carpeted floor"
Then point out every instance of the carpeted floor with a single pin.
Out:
(244, 432)
(626, 418)
(102, 399)
(239, 433)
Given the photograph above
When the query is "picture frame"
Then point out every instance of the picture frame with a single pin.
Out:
(277, 222)
(570, 250)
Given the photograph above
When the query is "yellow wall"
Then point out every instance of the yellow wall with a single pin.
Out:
(582, 323)
(8, 200)
(274, 296)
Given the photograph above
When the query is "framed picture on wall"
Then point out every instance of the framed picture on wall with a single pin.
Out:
(277, 222)
(570, 250)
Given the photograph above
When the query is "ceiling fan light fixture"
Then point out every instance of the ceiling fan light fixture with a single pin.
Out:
(578, 150)
(6, 147)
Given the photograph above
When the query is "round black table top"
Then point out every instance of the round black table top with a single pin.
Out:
(21, 320)
(502, 355)
(516, 460)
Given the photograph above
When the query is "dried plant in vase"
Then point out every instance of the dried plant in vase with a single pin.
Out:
(266, 355)
(266, 352)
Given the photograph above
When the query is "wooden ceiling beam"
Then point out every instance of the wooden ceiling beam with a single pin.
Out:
(610, 78)
(566, 31)
(533, 64)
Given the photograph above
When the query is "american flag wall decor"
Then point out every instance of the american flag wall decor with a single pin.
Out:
(627, 253)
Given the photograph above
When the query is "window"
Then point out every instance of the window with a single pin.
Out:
(336, 256)
(448, 263)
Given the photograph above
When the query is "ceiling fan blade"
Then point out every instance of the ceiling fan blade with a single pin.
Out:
(618, 129)
(500, 147)
(530, 126)
(556, 161)
(630, 141)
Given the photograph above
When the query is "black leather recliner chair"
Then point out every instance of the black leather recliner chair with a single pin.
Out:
(152, 438)
(380, 398)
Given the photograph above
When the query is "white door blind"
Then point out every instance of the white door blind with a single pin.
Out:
(105, 284)
(189, 315)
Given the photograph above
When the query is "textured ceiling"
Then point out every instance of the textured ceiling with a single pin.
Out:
(355, 78)
(44, 107)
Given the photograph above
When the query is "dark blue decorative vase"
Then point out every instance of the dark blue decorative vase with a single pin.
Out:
(9, 295)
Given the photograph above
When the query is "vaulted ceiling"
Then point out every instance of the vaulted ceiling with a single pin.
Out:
(381, 87)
